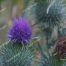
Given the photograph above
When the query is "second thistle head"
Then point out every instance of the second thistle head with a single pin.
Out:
(60, 48)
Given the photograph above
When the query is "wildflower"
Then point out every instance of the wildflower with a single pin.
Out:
(20, 31)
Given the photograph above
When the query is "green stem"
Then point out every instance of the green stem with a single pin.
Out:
(39, 46)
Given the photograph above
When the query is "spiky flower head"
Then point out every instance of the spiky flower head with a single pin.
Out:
(50, 13)
(20, 31)
(60, 48)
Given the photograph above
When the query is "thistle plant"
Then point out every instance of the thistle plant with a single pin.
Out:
(16, 52)
(60, 48)
(22, 46)
(50, 14)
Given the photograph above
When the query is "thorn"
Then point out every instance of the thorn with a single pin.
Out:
(50, 6)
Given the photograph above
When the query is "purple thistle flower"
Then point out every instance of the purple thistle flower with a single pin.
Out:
(20, 31)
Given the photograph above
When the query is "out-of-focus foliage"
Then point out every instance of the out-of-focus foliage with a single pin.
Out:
(50, 14)
(1, 1)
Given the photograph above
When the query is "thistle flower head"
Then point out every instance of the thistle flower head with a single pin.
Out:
(61, 47)
(20, 31)
(50, 14)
